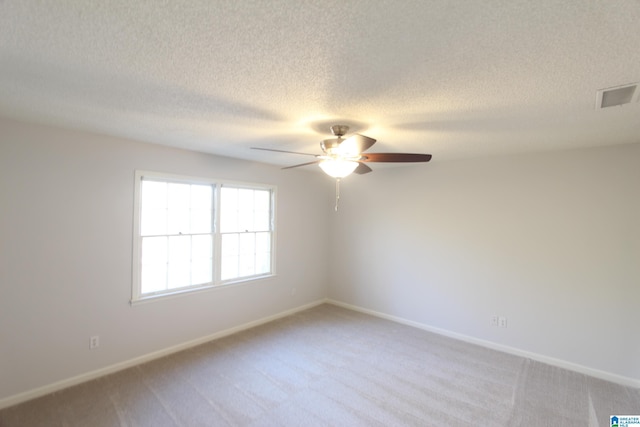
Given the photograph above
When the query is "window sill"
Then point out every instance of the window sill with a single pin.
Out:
(183, 292)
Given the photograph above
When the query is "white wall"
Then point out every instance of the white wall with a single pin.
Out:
(549, 240)
(66, 220)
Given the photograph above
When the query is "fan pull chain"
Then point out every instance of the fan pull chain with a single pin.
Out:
(337, 193)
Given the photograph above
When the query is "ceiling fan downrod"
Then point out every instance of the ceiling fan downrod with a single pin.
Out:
(339, 130)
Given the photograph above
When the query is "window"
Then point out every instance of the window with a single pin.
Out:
(192, 234)
(245, 227)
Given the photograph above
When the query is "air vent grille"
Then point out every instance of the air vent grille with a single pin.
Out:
(617, 96)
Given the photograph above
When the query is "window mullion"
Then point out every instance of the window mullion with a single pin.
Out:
(166, 230)
(216, 263)
(168, 263)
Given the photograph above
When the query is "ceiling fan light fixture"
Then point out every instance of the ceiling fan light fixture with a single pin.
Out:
(338, 168)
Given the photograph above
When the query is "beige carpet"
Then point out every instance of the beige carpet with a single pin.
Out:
(328, 366)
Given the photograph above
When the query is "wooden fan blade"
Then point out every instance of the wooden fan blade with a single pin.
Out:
(395, 157)
(355, 145)
(362, 169)
(302, 164)
(282, 151)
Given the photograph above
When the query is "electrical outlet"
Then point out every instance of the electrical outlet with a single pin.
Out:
(293, 291)
(502, 321)
(94, 342)
(494, 320)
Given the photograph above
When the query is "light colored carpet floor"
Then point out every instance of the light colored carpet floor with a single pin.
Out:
(328, 366)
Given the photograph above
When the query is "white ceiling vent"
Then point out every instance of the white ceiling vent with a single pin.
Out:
(616, 96)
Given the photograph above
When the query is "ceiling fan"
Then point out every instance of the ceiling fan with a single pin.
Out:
(345, 156)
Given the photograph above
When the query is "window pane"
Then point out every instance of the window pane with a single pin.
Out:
(201, 197)
(200, 221)
(202, 262)
(247, 254)
(262, 221)
(228, 220)
(153, 221)
(262, 200)
(230, 245)
(179, 274)
(179, 200)
(263, 262)
(179, 249)
(201, 247)
(245, 221)
(245, 210)
(229, 268)
(228, 209)
(247, 265)
(153, 277)
(154, 194)
(178, 221)
(247, 244)
(229, 197)
(263, 253)
(201, 272)
(263, 242)
(154, 250)
(179, 195)
(245, 199)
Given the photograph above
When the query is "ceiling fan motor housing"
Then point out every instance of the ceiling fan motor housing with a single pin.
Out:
(328, 145)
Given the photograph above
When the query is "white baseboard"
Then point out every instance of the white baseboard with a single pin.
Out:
(608, 376)
(50, 388)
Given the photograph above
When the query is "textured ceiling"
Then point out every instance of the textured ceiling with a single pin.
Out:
(454, 78)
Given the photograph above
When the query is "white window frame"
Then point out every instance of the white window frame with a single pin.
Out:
(217, 184)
